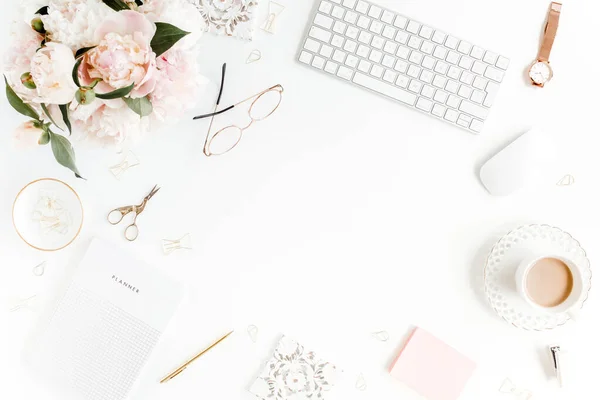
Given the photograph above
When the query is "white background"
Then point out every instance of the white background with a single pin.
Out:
(342, 214)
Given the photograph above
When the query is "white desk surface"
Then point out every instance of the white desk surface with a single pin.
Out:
(341, 215)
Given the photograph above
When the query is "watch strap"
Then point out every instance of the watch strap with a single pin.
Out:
(550, 31)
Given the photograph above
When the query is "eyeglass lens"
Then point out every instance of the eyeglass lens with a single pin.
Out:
(265, 105)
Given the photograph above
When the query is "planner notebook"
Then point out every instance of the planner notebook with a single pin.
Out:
(93, 344)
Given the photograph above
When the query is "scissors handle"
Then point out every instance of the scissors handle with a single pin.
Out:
(132, 232)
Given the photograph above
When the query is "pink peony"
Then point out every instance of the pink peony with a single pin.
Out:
(51, 69)
(123, 55)
(28, 135)
(24, 42)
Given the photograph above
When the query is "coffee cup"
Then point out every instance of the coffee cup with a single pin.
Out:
(552, 283)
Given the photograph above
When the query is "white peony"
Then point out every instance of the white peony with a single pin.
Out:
(51, 69)
(73, 22)
(180, 13)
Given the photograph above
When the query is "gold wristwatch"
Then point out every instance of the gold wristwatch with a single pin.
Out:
(540, 71)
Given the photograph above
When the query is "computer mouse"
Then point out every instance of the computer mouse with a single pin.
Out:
(524, 162)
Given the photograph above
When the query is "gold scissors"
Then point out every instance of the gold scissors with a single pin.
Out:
(116, 216)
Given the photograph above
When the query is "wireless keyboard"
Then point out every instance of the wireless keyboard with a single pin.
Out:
(410, 62)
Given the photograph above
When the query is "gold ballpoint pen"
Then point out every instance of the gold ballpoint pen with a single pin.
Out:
(184, 366)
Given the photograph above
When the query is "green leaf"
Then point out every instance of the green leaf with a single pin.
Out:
(141, 106)
(45, 138)
(139, 3)
(63, 152)
(82, 51)
(116, 94)
(165, 37)
(117, 5)
(64, 110)
(42, 11)
(18, 104)
(76, 72)
(47, 112)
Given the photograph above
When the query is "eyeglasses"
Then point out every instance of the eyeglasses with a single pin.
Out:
(263, 105)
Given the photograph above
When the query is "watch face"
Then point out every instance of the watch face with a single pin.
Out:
(540, 73)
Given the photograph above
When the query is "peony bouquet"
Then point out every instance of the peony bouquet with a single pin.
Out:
(105, 70)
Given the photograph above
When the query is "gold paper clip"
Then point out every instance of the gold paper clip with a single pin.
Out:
(23, 303)
(508, 387)
(275, 9)
(170, 246)
(129, 161)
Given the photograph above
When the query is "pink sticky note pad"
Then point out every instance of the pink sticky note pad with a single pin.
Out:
(432, 368)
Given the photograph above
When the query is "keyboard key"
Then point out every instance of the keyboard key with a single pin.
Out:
(464, 47)
(490, 57)
(365, 37)
(331, 67)
(338, 12)
(339, 27)
(349, 3)
(312, 45)
(351, 61)
(337, 41)
(428, 62)
(451, 42)
(400, 22)
(477, 52)
(401, 66)
(350, 46)
(345, 73)
(414, 42)
(401, 37)
(439, 81)
(415, 86)
(454, 72)
(403, 52)
(363, 22)
(402, 81)
(453, 57)
(476, 125)
(337, 1)
(465, 62)
(375, 56)
(364, 66)
(453, 101)
(440, 52)
(388, 61)
(323, 21)
(440, 96)
(494, 74)
(387, 17)
(465, 91)
(478, 67)
(502, 63)
(325, 7)
(363, 51)
(452, 86)
(413, 71)
(451, 115)
(415, 57)
(320, 34)
(473, 109)
(464, 120)
(389, 32)
(384, 88)
(424, 104)
(478, 96)
(439, 37)
(491, 89)
(352, 32)
(351, 17)
(427, 47)
(318, 62)
(426, 32)
(339, 56)
(362, 7)
(441, 67)
(427, 91)
(426, 76)
(305, 57)
(326, 51)
(378, 42)
(467, 77)
(480, 82)
(390, 47)
(374, 12)
(438, 110)
(376, 27)
(389, 76)
(413, 27)
(377, 71)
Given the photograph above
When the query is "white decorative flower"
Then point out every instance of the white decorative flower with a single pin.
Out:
(28, 135)
(51, 69)
(74, 22)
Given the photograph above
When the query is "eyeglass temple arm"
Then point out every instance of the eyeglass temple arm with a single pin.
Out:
(214, 113)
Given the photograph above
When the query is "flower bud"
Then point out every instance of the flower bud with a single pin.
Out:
(38, 25)
(85, 96)
(27, 80)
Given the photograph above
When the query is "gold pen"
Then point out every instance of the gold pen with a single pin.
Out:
(184, 366)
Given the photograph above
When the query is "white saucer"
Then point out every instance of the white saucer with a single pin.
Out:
(502, 263)
(48, 214)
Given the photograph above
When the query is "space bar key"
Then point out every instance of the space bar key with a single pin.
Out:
(384, 88)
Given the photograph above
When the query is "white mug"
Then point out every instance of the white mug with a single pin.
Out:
(573, 302)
